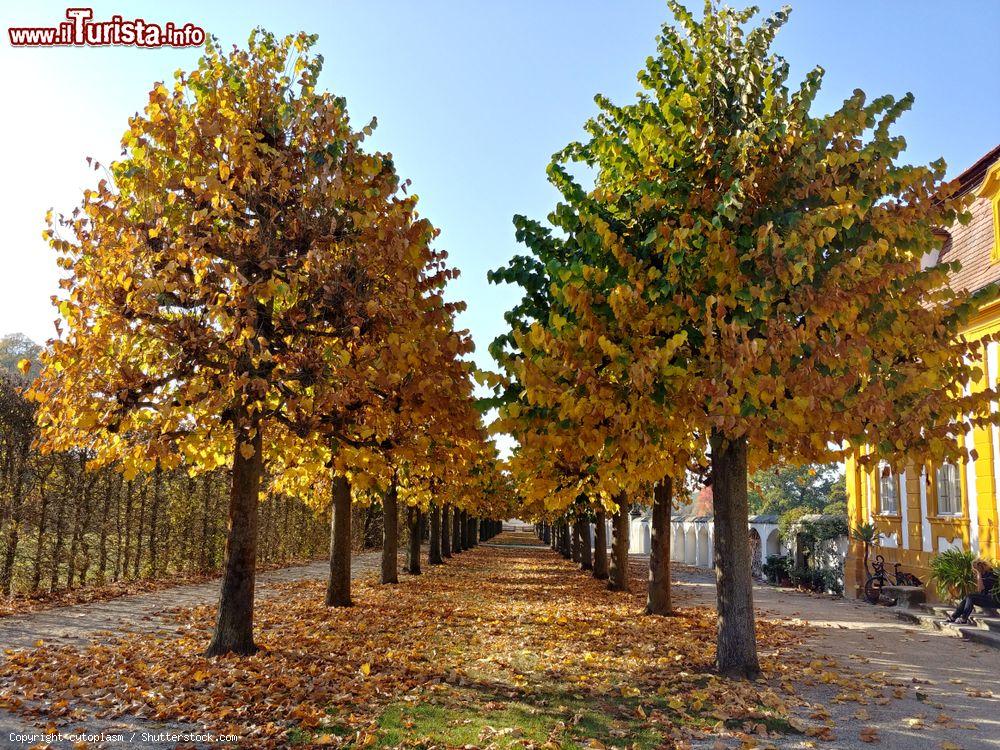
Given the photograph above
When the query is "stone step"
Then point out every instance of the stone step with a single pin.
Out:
(981, 621)
(984, 631)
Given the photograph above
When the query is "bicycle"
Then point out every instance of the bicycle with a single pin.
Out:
(878, 579)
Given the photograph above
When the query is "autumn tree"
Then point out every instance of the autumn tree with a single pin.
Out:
(400, 393)
(774, 257)
(588, 404)
(220, 279)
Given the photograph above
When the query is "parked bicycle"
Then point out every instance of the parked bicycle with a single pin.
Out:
(876, 576)
(878, 579)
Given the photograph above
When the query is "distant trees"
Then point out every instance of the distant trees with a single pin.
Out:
(16, 348)
(814, 488)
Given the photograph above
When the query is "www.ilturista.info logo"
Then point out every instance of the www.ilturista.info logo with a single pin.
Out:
(81, 31)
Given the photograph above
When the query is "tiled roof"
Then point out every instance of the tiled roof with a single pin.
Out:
(971, 244)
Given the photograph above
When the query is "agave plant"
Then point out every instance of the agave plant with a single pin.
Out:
(953, 574)
(867, 534)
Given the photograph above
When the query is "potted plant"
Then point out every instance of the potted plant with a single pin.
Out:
(953, 574)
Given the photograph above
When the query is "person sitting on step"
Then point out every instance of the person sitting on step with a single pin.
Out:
(986, 597)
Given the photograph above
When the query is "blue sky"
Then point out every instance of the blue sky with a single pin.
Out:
(472, 98)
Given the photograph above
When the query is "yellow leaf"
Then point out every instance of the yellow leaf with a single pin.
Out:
(24, 365)
(366, 669)
(246, 450)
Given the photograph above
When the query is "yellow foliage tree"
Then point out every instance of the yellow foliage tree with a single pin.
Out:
(236, 274)
(784, 249)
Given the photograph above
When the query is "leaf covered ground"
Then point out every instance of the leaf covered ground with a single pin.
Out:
(502, 647)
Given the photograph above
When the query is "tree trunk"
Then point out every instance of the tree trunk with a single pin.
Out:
(618, 575)
(565, 543)
(36, 573)
(127, 524)
(154, 514)
(102, 546)
(74, 542)
(658, 594)
(586, 554)
(434, 543)
(390, 534)
(17, 502)
(213, 529)
(445, 531)
(60, 529)
(413, 522)
(119, 533)
(473, 531)
(234, 625)
(575, 541)
(736, 648)
(456, 531)
(601, 545)
(369, 534)
(264, 530)
(206, 505)
(338, 587)
(85, 524)
(136, 563)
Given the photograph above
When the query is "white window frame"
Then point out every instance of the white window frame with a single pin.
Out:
(887, 480)
(949, 490)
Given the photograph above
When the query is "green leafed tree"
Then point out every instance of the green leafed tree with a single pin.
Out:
(755, 269)
(815, 488)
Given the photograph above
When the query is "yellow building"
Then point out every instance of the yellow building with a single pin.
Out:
(928, 509)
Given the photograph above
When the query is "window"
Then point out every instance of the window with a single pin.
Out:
(888, 493)
(990, 190)
(949, 491)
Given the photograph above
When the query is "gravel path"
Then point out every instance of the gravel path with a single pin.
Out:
(950, 687)
(79, 623)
